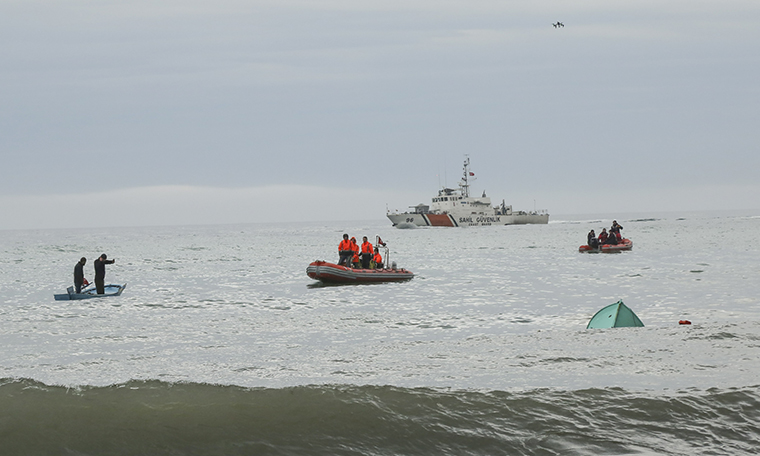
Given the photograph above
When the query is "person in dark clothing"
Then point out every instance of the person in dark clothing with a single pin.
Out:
(100, 272)
(615, 228)
(603, 236)
(79, 274)
(593, 242)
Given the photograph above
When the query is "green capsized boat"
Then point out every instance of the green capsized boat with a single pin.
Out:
(616, 315)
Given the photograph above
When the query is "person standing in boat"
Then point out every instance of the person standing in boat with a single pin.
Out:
(615, 229)
(593, 242)
(378, 259)
(100, 272)
(345, 251)
(79, 274)
(355, 256)
(367, 252)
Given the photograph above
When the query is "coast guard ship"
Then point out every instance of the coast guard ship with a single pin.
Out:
(455, 207)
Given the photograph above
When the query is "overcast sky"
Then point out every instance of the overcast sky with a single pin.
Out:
(163, 112)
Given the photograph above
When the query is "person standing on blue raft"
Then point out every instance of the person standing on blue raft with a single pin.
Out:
(79, 279)
(100, 272)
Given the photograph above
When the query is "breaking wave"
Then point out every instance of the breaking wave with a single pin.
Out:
(158, 418)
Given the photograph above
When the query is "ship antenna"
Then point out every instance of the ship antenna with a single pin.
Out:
(445, 173)
(465, 185)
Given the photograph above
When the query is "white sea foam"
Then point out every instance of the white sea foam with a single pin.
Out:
(490, 308)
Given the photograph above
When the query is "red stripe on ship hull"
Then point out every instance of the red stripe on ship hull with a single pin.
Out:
(439, 219)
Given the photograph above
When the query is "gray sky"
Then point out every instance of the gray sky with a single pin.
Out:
(169, 112)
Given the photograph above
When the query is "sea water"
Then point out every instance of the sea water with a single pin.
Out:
(221, 345)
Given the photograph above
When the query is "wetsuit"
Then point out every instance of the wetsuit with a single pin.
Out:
(592, 242)
(616, 231)
(100, 274)
(78, 276)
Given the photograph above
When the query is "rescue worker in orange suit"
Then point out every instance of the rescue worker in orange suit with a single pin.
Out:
(355, 248)
(367, 252)
(345, 251)
(378, 259)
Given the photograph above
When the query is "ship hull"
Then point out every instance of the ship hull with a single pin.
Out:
(408, 219)
(623, 245)
(332, 273)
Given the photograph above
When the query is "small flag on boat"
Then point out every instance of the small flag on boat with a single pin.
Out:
(380, 241)
(471, 173)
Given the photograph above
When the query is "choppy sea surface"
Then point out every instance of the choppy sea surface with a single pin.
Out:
(221, 345)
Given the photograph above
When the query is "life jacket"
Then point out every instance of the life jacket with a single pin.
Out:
(367, 247)
(378, 258)
(345, 244)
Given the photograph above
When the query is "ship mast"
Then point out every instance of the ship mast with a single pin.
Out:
(464, 185)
